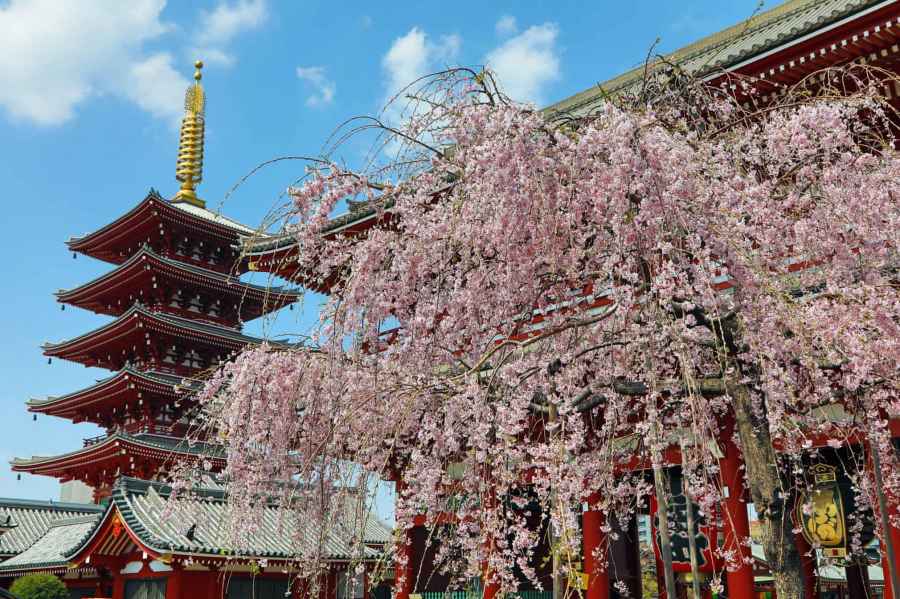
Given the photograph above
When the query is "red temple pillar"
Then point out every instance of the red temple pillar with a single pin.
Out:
(736, 522)
(893, 511)
(489, 583)
(403, 572)
(634, 544)
(661, 580)
(173, 584)
(118, 587)
(595, 566)
(893, 506)
(809, 563)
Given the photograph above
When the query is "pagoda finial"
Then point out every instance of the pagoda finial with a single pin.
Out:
(190, 148)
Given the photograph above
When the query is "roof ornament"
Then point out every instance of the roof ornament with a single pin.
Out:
(189, 169)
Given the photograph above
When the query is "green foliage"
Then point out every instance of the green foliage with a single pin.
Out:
(39, 586)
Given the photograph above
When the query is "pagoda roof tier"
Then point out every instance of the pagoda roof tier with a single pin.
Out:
(99, 463)
(152, 342)
(155, 221)
(99, 402)
(146, 274)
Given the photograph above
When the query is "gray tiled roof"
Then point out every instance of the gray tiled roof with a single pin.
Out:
(33, 518)
(142, 504)
(50, 549)
(730, 47)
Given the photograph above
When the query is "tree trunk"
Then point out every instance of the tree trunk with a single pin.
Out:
(692, 536)
(771, 496)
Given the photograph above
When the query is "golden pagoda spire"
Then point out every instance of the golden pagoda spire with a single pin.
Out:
(190, 148)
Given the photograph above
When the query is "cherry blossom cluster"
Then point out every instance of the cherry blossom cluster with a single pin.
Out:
(547, 307)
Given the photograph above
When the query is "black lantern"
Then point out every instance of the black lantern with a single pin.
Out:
(828, 515)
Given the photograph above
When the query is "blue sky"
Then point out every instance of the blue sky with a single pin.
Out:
(91, 96)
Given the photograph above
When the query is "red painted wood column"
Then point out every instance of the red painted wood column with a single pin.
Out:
(809, 563)
(893, 506)
(637, 583)
(594, 541)
(490, 584)
(736, 521)
(118, 587)
(403, 573)
(893, 511)
(173, 585)
(661, 579)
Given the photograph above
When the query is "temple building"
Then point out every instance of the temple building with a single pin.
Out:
(177, 307)
(776, 48)
(131, 549)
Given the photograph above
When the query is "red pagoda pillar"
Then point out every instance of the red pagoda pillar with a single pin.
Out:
(594, 540)
(741, 584)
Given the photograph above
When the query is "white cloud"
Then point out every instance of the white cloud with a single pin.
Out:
(157, 87)
(527, 63)
(56, 54)
(506, 25)
(693, 22)
(325, 88)
(219, 26)
(365, 21)
(415, 55)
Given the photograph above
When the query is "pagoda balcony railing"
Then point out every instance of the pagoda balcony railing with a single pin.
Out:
(94, 440)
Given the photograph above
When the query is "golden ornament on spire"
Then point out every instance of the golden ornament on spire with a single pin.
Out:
(190, 149)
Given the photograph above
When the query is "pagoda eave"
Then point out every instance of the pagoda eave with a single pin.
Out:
(99, 463)
(113, 345)
(99, 402)
(145, 275)
(146, 220)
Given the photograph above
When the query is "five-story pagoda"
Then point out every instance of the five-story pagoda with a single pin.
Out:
(178, 306)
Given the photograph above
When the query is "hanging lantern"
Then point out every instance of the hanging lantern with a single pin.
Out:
(828, 514)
